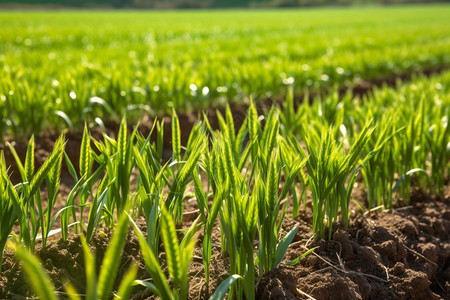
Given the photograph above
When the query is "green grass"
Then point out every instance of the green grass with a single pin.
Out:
(62, 68)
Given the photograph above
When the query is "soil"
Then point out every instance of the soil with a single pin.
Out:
(399, 254)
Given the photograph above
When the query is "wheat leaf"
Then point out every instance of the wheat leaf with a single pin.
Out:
(176, 136)
(173, 253)
(110, 265)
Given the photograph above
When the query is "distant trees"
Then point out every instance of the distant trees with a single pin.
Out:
(210, 3)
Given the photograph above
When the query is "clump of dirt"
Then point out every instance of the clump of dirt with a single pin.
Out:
(64, 263)
(399, 254)
(279, 283)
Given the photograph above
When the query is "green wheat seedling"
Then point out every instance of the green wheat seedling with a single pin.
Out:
(83, 189)
(288, 115)
(96, 287)
(117, 159)
(152, 180)
(52, 184)
(208, 227)
(178, 258)
(101, 288)
(85, 166)
(270, 204)
(123, 165)
(254, 131)
(34, 217)
(407, 144)
(98, 206)
(238, 219)
(184, 168)
(237, 140)
(378, 172)
(240, 145)
(215, 168)
(10, 209)
(438, 139)
(332, 175)
(289, 153)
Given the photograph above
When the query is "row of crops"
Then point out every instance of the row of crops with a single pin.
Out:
(57, 71)
(247, 179)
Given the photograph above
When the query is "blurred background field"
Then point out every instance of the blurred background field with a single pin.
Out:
(60, 68)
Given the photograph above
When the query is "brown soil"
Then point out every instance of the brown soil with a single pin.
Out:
(399, 254)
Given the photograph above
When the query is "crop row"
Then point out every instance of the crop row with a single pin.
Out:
(243, 177)
(58, 72)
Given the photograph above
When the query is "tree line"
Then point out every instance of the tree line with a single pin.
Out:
(168, 4)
